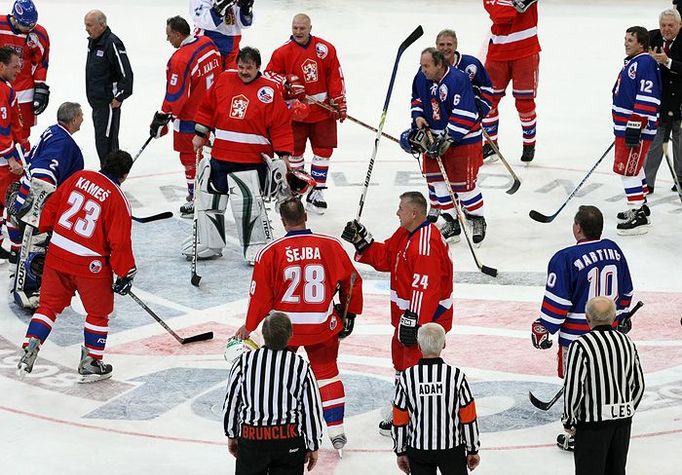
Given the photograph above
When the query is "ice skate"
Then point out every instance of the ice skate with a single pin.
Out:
(451, 230)
(29, 357)
(339, 442)
(315, 200)
(528, 154)
(637, 224)
(386, 426)
(434, 214)
(489, 154)
(91, 369)
(187, 210)
(627, 215)
(479, 227)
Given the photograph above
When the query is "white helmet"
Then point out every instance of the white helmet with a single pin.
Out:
(236, 346)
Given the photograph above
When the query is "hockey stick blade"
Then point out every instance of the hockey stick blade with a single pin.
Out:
(491, 271)
(153, 217)
(199, 337)
(196, 279)
(514, 188)
(516, 181)
(544, 406)
(414, 36)
(541, 218)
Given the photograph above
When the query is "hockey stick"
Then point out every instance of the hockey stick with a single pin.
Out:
(182, 341)
(153, 217)
(353, 277)
(670, 164)
(517, 183)
(542, 218)
(462, 220)
(139, 152)
(196, 278)
(414, 36)
(544, 406)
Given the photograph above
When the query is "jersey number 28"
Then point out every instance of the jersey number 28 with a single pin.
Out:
(307, 282)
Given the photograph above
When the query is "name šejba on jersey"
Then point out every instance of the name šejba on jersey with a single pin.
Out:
(95, 190)
(430, 389)
(596, 256)
(303, 253)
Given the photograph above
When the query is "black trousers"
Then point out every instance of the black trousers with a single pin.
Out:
(106, 120)
(603, 450)
(449, 461)
(285, 457)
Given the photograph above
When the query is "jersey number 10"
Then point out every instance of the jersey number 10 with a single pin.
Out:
(603, 282)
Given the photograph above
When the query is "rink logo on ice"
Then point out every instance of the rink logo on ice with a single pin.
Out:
(239, 106)
(266, 94)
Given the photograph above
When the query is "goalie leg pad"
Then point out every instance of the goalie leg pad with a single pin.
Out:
(28, 277)
(210, 215)
(248, 209)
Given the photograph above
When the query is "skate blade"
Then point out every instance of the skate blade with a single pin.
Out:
(187, 215)
(453, 239)
(93, 378)
(491, 158)
(638, 231)
(316, 209)
(385, 433)
(340, 453)
(22, 372)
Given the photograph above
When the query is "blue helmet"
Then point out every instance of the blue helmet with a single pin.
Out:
(25, 13)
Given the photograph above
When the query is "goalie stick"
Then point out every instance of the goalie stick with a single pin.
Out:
(517, 183)
(182, 341)
(414, 36)
(542, 218)
(544, 406)
(670, 165)
(153, 217)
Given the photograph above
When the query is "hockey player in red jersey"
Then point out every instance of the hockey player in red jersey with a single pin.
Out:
(21, 31)
(89, 217)
(513, 56)
(299, 275)
(307, 66)
(418, 259)
(11, 166)
(190, 72)
(249, 121)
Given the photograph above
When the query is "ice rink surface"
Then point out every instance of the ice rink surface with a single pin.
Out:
(161, 412)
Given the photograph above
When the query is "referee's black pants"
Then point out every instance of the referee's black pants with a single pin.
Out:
(106, 120)
(448, 461)
(602, 449)
(281, 457)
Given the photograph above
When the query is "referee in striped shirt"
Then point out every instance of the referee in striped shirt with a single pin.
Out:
(434, 413)
(273, 413)
(603, 386)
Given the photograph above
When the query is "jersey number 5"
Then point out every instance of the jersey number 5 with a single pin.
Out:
(84, 226)
(311, 278)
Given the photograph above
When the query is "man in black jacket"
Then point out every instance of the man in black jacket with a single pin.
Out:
(108, 81)
(667, 51)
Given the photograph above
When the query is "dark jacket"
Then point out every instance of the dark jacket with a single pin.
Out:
(108, 74)
(671, 79)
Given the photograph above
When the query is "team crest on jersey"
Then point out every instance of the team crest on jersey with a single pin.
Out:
(266, 94)
(632, 71)
(95, 267)
(443, 92)
(332, 322)
(435, 107)
(309, 68)
(321, 50)
(238, 107)
(471, 71)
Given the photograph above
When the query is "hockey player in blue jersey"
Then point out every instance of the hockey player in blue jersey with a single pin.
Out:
(592, 267)
(636, 100)
(443, 103)
(54, 158)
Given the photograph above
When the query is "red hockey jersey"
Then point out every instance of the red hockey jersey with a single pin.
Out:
(298, 274)
(317, 65)
(10, 124)
(91, 224)
(190, 72)
(34, 54)
(247, 119)
(514, 35)
(421, 273)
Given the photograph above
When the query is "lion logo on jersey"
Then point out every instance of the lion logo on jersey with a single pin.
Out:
(632, 71)
(266, 94)
(309, 68)
(238, 107)
(321, 50)
(471, 70)
(435, 106)
(443, 92)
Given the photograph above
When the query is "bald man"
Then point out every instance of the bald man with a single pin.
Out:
(108, 81)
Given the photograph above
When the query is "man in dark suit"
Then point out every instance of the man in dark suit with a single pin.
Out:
(666, 49)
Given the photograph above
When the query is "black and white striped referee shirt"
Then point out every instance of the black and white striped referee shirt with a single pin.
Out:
(271, 388)
(434, 409)
(604, 380)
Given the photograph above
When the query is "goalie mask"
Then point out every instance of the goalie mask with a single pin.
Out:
(235, 347)
(300, 182)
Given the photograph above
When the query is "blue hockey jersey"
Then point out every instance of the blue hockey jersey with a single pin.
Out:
(575, 275)
(448, 105)
(480, 79)
(637, 92)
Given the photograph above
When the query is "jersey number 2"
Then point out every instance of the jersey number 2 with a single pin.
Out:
(84, 226)
(312, 279)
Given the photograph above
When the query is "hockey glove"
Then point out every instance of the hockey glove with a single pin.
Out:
(221, 6)
(159, 126)
(293, 88)
(439, 146)
(348, 322)
(123, 284)
(522, 5)
(41, 97)
(245, 6)
(299, 110)
(633, 130)
(407, 330)
(339, 103)
(540, 336)
(357, 234)
(625, 324)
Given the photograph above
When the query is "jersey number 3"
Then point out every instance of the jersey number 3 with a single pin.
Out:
(84, 226)
(308, 281)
